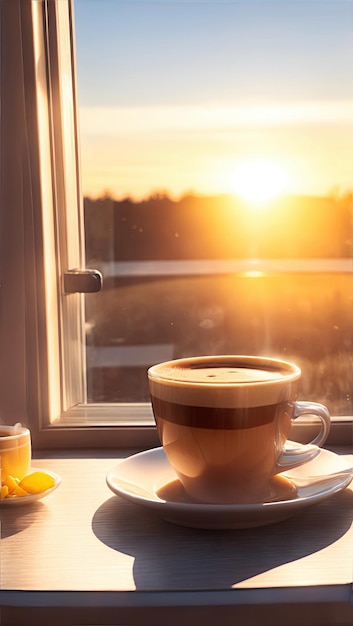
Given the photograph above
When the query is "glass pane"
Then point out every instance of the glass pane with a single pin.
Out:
(217, 163)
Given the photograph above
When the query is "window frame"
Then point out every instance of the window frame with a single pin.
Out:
(42, 363)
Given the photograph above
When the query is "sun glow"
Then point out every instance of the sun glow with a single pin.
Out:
(259, 180)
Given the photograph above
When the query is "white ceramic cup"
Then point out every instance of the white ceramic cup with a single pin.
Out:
(15, 451)
(223, 422)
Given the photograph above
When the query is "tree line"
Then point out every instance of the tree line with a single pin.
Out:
(196, 227)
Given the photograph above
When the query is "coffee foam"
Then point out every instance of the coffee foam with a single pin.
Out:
(219, 374)
(224, 381)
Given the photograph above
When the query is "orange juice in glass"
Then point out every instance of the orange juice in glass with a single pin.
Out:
(15, 451)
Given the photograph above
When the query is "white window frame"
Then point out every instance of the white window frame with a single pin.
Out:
(42, 360)
(42, 355)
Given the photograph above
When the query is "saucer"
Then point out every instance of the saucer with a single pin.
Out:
(147, 479)
(32, 497)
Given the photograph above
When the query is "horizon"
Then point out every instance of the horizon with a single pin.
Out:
(335, 195)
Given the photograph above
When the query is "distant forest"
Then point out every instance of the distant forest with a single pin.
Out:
(217, 227)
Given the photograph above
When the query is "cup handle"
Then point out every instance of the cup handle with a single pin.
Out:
(319, 410)
(294, 457)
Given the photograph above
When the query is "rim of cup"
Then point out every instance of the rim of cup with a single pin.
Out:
(159, 372)
(19, 431)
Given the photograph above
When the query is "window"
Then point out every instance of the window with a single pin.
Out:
(199, 155)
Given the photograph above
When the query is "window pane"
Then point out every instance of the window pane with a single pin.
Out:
(216, 167)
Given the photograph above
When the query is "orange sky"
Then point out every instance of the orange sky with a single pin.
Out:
(135, 151)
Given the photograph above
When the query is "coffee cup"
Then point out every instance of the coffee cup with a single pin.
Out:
(223, 422)
(15, 451)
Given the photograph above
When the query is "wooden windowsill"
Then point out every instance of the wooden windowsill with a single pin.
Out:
(84, 556)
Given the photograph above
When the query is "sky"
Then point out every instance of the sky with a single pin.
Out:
(251, 97)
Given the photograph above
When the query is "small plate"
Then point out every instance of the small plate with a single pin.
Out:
(147, 479)
(32, 497)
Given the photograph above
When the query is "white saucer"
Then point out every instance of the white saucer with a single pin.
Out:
(32, 497)
(142, 478)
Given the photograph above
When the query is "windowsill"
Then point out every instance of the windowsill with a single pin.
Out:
(132, 426)
(83, 555)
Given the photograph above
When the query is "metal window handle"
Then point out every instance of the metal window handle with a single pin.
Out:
(83, 281)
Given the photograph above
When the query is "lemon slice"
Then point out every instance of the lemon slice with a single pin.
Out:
(11, 487)
(4, 492)
(11, 482)
(37, 482)
(18, 491)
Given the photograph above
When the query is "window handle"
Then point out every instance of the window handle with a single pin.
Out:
(83, 281)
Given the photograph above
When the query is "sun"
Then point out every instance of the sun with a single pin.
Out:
(258, 181)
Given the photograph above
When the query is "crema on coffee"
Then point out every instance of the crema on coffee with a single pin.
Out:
(223, 382)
